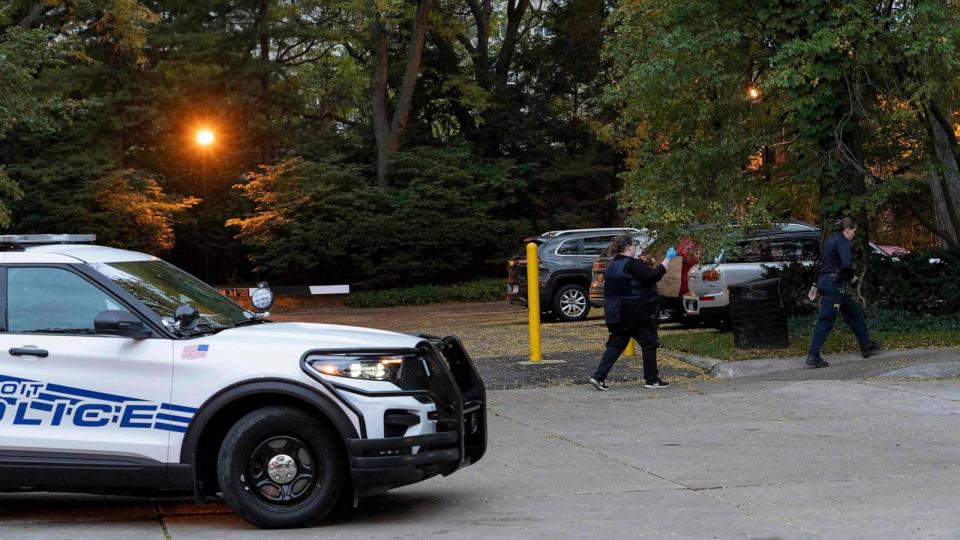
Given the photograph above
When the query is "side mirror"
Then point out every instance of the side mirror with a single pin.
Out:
(116, 322)
(186, 317)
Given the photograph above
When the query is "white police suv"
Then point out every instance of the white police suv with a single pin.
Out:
(122, 373)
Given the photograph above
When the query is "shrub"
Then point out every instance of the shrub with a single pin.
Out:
(484, 290)
(905, 284)
(912, 283)
(885, 320)
(446, 217)
(795, 281)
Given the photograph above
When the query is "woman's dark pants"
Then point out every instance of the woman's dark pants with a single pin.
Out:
(646, 336)
(832, 301)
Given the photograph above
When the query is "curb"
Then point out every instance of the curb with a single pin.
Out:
(745, 368)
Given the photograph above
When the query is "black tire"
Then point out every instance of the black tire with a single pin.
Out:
(307, 457)
(722, 321)
(571, 303)
(547, 316)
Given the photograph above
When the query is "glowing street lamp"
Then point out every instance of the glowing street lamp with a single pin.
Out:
(204, 137)
(753, 92)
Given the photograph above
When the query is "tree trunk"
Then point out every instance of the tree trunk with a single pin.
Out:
(37, 9)
(389, 136)
(944, 178)
(263, 41)
(515, 13)
(381, 125)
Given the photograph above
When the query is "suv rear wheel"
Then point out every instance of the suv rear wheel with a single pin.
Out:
(570, 303)
(279, 468)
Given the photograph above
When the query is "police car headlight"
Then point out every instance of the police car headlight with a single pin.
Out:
(374, 367)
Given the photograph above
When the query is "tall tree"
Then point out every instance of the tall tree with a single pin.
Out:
(388, 130)
(852, 94)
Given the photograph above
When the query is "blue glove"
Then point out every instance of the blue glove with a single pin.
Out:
(671, 253)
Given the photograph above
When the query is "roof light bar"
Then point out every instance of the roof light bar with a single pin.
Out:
(26, 239)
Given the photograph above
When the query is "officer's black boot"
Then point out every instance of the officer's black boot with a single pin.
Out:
(816, 362)
(871, 349)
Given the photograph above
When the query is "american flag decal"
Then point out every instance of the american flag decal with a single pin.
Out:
(195, 351)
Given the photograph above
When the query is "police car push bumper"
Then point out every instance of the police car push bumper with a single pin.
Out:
(434, 424)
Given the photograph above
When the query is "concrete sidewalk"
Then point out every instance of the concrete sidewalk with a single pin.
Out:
(715, 459)
(904, 363)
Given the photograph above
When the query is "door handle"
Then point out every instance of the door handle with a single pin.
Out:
(39, 353)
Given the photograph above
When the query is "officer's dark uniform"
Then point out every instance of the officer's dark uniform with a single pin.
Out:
(836, 266)
(631, 309)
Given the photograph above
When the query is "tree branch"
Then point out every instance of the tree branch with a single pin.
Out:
(401, 114)
(927, 224)
(352, 52)
(467, 45)
(515, 13)
(37, 9)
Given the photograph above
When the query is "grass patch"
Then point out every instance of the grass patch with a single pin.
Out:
(894, 330)
(481, 290)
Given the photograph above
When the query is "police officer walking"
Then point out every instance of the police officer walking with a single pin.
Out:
(631, 309)
(836, 269)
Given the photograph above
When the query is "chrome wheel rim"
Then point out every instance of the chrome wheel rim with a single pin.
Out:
(573, 303)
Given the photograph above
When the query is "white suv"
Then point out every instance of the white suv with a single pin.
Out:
(125, 373)
(786, 242)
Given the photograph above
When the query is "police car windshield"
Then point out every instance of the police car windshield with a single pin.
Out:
(163, 287)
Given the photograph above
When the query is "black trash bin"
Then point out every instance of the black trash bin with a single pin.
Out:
(757, 315)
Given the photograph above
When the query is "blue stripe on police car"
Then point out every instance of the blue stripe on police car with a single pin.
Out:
(24, 402)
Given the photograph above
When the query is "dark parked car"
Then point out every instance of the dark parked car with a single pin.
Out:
(566, 259)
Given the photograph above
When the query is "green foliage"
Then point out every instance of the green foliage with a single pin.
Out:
(322, 221)
(484, 290)
(680, 74)
(132, 212)
(903, 284)
(914, 332)
(844, 91)
(795, 282)
(887, 320)
(23, 53)
(912, 283)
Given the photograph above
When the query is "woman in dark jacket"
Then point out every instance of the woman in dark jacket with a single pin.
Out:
(836, 269)
(631, 309)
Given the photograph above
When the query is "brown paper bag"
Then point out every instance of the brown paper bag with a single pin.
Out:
(670, 284)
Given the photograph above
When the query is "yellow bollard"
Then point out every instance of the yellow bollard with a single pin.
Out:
(631, 348)
(533, 300)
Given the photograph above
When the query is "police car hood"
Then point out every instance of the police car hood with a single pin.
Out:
(310, 335)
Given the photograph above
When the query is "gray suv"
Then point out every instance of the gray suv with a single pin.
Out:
(566, 259)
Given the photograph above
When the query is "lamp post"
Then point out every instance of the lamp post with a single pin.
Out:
(204, 139)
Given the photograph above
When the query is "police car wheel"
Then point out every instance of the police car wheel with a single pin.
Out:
(571, 303)
(279, 467)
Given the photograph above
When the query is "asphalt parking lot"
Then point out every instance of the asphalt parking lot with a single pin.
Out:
(714, 459)
(797, 454)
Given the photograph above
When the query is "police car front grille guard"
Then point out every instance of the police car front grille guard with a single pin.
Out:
(473, 415)
(454, 386)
